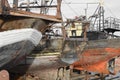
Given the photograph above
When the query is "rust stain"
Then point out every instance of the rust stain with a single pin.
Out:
(96, 59)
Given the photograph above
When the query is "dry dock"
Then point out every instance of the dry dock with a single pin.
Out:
(50, 68)
(47, 66)
(40, 68)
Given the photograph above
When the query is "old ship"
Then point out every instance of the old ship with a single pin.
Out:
(16, 44)
(91, 50)
(22, 29)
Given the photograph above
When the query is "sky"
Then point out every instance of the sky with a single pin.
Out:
(72, 8)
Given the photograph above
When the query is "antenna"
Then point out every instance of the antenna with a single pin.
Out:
(87, 7)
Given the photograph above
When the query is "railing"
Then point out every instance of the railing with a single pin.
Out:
(45, 7)
(109, 22)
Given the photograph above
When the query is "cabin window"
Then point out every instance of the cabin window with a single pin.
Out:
(73, 32)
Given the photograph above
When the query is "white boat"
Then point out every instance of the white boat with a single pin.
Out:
(16, 44)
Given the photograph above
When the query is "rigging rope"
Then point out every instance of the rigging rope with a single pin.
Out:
(110, 11)
(70, 7)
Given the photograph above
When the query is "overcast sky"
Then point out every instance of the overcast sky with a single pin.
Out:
(72, 8)
(76, 8)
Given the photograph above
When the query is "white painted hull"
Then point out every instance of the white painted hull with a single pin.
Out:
(16, 44)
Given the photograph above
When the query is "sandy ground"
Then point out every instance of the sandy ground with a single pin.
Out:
(46, 68)
(42, 68)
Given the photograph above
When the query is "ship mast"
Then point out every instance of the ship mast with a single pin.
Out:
(101, 16)
(97, 18)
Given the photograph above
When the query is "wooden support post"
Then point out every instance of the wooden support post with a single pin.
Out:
(85, 27)
(2, 4)
(58, 15)
(15, 4)
(102, 76)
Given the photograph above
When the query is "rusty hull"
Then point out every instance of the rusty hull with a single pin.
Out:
(93, 56)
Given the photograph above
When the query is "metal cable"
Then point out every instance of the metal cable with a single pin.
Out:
(71, 8)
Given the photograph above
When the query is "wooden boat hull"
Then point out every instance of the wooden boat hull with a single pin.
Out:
(16, 45)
